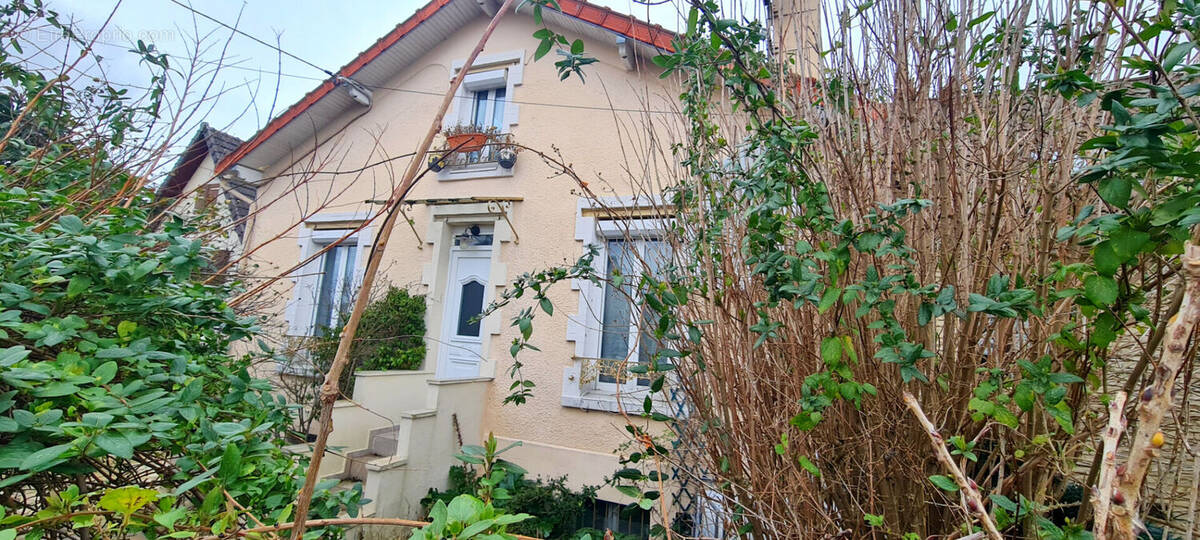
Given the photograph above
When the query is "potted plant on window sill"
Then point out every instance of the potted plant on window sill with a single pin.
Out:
(467, 138)
(506, 155)
(437, 162)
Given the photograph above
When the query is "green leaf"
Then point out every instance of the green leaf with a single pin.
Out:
(1115, 190)
(475, 528)
(1023, 397)
(228, 429)
(1107, 261)
(1127, 242)
(12, 355)
(78, 284)
(105, 372)
(56, 389)
(1101, 290)
(1006, 417)
(944, 483)
(127, 500)
(542, 49)
(809, 466)
(547, 306)
(463, 509)
(44, 457)
(828, 299)
(194, 481)
(231, 464)
(577, 46)
(116, 444)
(71, 224)
(115, 352)
(831, 350)
(168, 519)
(1175, 55)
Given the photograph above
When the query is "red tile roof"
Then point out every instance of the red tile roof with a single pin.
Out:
(626, 25)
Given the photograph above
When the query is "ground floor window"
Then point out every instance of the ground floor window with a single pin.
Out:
(620, 519)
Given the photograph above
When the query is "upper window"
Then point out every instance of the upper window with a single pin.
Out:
(488, 108)
(623, 337)
(485, 99)
(335, 286)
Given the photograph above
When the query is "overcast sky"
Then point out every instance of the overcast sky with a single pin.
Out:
(325, 32)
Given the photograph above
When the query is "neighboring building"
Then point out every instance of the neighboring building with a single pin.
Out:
(219, 205)
(467, 232)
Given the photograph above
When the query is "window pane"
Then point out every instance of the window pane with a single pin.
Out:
(498, 108)
(470, 306)
(347, 293)
(479, 117)
(656, 255)
(618, 313)
(333, 274)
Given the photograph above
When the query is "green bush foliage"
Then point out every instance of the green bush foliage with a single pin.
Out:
(391, 335)
(555, 506)
(120, 404)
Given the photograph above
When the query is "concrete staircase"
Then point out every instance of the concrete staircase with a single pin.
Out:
(399, 434)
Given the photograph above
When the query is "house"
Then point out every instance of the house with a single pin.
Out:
(468, 230)
(218, 205)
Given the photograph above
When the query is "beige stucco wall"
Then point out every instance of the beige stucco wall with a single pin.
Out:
(590, 139)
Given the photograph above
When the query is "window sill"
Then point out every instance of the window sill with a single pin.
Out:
(605, 401)
(473, 172)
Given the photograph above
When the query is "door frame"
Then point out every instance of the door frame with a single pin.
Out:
(452, 301)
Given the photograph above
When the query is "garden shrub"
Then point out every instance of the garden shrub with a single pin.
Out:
(122, 411)
(391, 335)
(556, 507)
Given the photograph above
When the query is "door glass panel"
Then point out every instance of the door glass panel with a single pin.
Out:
(470, 306)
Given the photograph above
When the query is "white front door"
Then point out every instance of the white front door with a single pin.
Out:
(467, 295)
